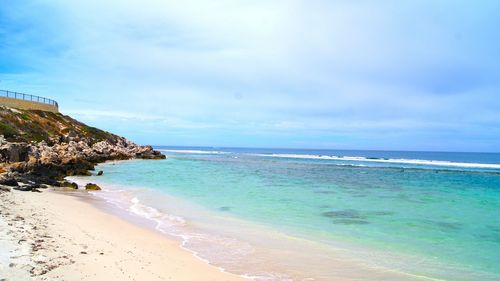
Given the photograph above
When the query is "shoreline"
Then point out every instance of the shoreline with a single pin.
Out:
(341, 262)
(348, 266)
(56, 236)
(54, 204)
(79, 237)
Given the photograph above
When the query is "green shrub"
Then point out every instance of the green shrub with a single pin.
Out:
(7, 130)
(95, 133)
(25, 117)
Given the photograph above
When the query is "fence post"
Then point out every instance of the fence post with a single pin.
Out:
(28, 97)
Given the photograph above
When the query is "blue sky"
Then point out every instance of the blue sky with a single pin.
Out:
(396, 75)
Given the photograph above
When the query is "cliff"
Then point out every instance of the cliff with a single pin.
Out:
(38, 147)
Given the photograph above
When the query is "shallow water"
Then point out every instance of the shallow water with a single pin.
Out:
(285, 214)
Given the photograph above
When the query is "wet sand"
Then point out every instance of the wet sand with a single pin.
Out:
(53, 236)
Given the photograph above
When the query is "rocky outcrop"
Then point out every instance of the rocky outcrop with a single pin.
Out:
(92, 186)
(42, 147)
(71, 185)
(13, 152)
(8, 182)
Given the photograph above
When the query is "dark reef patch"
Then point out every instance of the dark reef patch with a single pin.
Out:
(344, 214)
(325, 192)
(381, 213)
(448, 225)
(350, 221)
(351, 216)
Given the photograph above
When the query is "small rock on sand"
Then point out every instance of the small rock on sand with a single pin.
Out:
(92, 186)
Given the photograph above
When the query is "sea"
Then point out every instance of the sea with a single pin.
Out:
(302, 214)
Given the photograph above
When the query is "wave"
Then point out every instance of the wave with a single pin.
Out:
(387, 160)
(162, 219)
(194, 151)
(209, 248)
(420, 162)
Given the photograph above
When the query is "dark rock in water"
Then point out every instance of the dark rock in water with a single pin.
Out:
(100, 173)
(225, 208)
(348, 213)
(92, 186)
(350, 221)
(68, 184)
(8, 181)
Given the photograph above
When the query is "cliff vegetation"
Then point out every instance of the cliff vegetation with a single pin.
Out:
(40, 148)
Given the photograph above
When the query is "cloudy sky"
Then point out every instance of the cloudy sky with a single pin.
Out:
(397, 75)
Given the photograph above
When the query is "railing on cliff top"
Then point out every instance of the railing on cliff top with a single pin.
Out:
(27, 97)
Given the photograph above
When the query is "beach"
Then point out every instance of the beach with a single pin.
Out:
(238, 215)
(276, 218)
(70, 235)
(250, 140)
(53, 236)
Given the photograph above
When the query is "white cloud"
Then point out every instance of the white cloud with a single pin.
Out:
(266, 65)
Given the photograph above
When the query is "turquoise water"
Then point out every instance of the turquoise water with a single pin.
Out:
(442, 210)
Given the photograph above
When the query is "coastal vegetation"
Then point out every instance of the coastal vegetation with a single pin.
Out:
(39, 148)
(35, 125)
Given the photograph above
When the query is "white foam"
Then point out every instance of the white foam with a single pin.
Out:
(440, 163)
(151, 213)
(269, 276)
(176, 226)
(392, 161)
(194, 151)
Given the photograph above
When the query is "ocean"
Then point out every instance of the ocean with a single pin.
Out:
(299, 214)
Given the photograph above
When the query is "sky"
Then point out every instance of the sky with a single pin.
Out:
(389, 75)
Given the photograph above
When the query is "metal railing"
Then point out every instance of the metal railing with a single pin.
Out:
(27, 97)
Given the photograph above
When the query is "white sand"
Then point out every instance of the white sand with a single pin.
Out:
(52, 236)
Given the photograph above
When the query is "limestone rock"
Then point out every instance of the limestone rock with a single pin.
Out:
(68, 184)
(92, 186)
(50, 146)
(9, 181)
(14, 152)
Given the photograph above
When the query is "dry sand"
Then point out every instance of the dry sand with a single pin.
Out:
(53, 236)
